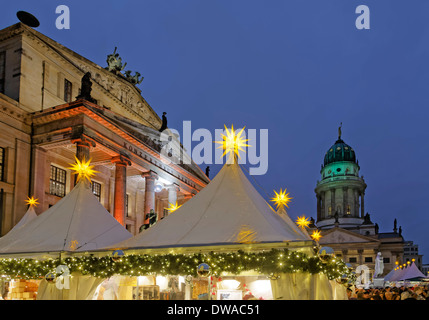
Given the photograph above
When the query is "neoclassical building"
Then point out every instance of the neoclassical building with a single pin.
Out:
(47, 118)
(341, 217)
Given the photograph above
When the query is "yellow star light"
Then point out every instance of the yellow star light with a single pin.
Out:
(316, 235)
(32, 202)
(302, 222)
(83, 169)
(173, 207)
(232, 142)
(281, 199)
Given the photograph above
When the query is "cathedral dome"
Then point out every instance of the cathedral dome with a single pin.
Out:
(340, 151)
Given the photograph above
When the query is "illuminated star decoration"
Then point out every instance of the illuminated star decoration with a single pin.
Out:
(281, 199)
(232, 143)
(173, 207)
(302, 222)
(83, 169)
(32, 202)
(316, 235)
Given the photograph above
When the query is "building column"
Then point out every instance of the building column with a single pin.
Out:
(360, 259)
(345, 201)
(356, 204)
(333, 202)
(319, 207)
(323, 205)
(172, 193)
(40, 178)
(149, 199)
(83, 147)
(119, 202)
(362, 205)
(344, 252)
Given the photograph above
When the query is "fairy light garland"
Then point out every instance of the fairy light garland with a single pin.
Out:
(270, 263)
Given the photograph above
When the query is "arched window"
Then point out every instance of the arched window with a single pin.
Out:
(329, 211)
(348, 210)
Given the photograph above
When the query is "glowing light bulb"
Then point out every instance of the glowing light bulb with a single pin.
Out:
(281, 199)
(231, 142)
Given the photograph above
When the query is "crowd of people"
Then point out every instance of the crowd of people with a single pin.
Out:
(390, 293)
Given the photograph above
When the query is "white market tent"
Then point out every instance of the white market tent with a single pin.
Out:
(227, 211)
(410, 273)
(229, 214)
(78, 222)
(28, 216)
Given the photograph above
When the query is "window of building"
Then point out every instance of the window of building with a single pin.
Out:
(348, 209)
(352, 260)
(96, 190)
(2, 156)
(57, 181)
(2, 70)
(330, 211)
(67, 90)
(386, 260)
(368, 259)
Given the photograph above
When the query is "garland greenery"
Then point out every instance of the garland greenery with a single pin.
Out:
(270, 263)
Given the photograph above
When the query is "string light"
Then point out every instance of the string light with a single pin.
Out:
(281, 199)
(32, 202)
(173, 207)
(303, 222)
(83, 169)
(316, 235)
(282, 261)
(231, 142)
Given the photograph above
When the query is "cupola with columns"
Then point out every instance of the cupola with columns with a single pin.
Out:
(341, 192)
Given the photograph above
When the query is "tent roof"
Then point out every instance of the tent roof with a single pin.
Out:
(228, 210)
(407, 273)
(78, 222)
(411, 272)
(28, 216)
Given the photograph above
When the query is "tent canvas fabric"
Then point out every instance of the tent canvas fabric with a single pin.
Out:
(408, 273)
(78, 222)
(411, 272)
(28, 216)
(229, 210)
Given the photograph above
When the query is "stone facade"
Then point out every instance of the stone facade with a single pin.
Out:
(43, 127)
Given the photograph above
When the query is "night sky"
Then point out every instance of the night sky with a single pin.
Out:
(297, 68)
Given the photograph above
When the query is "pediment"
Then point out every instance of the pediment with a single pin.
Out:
(116, 87)
(339, 235)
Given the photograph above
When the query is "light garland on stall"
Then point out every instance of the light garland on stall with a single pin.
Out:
(269, 263)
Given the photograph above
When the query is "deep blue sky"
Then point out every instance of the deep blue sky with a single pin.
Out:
(297, 68)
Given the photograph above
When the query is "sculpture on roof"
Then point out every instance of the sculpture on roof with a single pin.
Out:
(115, 65)
(164, 122)
(135, 79)
(114, 62)
(86, 88)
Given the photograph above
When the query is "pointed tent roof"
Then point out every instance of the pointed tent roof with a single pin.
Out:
(28, 216)
(78, 222)
(411, 272)
(228, 210)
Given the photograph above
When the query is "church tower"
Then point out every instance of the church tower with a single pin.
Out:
(341, 192)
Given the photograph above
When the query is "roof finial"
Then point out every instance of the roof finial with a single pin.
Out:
(339, 131)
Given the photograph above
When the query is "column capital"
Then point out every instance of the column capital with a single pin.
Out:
(150, 175)
(121, 160)
(172, 187)
(84, 141)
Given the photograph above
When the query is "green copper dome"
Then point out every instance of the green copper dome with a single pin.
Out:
(340, 151)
